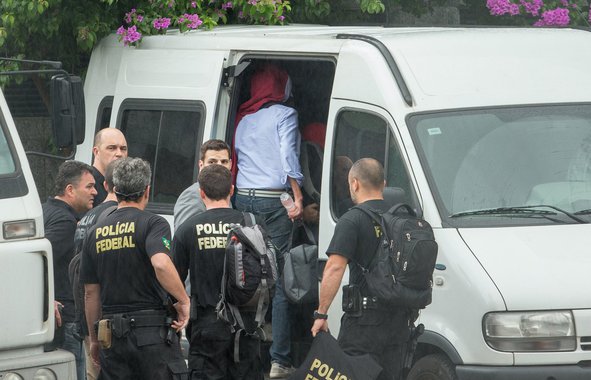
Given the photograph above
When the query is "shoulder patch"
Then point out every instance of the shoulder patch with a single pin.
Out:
(166, 242)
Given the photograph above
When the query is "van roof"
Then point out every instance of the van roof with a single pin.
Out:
(442, 66)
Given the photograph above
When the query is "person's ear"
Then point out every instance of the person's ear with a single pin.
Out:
(201, 193)
(95, 150)
(200, 165)
(147, 193)
(232, 190)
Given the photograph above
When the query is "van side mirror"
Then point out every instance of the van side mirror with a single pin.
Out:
(67, 110)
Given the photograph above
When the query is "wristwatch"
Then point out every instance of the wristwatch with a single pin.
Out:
(318, 315)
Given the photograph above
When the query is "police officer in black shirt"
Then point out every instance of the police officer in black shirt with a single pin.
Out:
(127, 272)
(74, 189)
(375, 330)
(199, 245)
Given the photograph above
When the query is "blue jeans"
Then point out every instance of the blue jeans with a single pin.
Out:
(73, 343)
(278, 226)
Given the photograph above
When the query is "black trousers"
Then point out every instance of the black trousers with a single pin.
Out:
(379, 334)
(143, 354)
(212, 349)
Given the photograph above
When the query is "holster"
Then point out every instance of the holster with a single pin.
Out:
(104, 333)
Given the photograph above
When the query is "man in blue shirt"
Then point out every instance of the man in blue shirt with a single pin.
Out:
(267, 144)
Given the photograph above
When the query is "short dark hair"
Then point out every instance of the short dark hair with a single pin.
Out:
(216, 145)
(69, 173)
(131, 177)
(109, 175)
(369, 172)
(215, 181)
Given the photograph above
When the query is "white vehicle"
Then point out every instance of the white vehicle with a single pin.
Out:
(486, 132)
(26, 271)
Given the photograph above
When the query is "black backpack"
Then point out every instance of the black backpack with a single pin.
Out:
(401, 271)
(250, 274)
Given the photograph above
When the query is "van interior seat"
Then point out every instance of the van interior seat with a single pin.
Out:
(394, 196)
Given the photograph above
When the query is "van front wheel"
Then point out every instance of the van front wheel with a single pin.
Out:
(433, 367)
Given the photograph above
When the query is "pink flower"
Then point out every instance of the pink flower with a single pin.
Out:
(252, 2)
(161, 23)
(132, 35)
(128, 16)
(554, 17)
(502, 7)
(193, 4)
(281, 18)
(121, 31)
(532, 6)
(227, 5)
(240, 14)
(140, 18)
(194, 20)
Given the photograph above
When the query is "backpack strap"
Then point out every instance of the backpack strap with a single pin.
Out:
(249, 219)
(394, 209)
(377, 217)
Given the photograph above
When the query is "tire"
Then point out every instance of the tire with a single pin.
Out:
(433, 367)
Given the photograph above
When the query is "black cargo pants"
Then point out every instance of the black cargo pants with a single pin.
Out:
(212, 349)
(139, 349)
(380, 334)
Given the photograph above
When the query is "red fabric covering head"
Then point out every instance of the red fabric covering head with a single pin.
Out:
(269, 84)
(315, 132)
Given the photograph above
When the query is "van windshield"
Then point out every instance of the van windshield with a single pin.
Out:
(511, 166)
(7, 165)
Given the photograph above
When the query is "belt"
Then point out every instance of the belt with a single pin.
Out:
(263, 193)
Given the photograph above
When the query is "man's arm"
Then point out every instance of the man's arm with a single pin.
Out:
(92, 306)
(331, 281)
(169, 279)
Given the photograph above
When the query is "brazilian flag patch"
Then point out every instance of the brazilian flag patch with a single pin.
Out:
(166, 242)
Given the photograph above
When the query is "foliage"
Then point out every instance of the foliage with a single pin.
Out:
(67, 30)
(543, 13)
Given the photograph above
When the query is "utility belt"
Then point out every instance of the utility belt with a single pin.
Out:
(355, 304)
(119, 325)
(261, 193)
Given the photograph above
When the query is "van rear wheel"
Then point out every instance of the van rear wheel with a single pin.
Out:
(433, 367)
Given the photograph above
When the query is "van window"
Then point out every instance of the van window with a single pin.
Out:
(169, 140)
(7, 165)
(103, 115)
(359, 135)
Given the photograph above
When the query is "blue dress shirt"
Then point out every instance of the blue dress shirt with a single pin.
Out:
(268, 149)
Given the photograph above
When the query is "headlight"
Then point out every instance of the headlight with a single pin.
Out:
(530, 331)
(45, 374)
(12, 376)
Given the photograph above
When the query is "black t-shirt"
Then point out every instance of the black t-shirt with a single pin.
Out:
(101, 193)
(59, 220)
(199, 245)
(356, 237)
(117, 254)
(87, 221)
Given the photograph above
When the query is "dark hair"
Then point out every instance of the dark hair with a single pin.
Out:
(215, 181)
(109, 175)
(69, 173)
(131, 177)
(369, 172)
(216, 145)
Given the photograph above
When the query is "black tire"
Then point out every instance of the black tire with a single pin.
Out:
(433, 367)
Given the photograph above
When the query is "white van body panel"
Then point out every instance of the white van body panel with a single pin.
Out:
(26, 280)
(534, 266)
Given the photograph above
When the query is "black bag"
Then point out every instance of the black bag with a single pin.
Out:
(326, 360)
(300, 273)
(249, 277)
(401, 271)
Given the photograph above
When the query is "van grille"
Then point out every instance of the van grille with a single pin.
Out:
(586, 343)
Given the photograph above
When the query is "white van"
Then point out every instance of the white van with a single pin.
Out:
(486, 132)
(26, 271)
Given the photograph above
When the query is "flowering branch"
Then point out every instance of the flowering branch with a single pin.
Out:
(160, 15)
(544, 13)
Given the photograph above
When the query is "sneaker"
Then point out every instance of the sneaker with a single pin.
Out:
(279, 371)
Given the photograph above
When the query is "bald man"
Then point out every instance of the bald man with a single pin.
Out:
(377, 330)
(109, 145)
